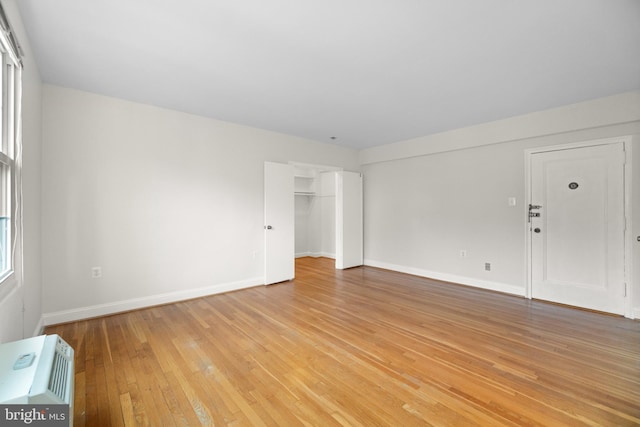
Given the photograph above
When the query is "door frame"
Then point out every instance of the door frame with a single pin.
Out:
(628, 237)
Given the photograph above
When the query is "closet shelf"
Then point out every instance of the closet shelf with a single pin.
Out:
(304, 193)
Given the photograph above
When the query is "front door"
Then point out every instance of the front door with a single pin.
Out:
(577, 219)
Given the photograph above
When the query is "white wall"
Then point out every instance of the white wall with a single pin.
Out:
(325, 231)
(13, 323)
(429, 198)
(305, 184)
(169, 205)
(302, 212)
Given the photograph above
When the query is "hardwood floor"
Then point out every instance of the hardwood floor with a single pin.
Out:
(362, 347)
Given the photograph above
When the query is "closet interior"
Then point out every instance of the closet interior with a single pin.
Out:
(315, 211)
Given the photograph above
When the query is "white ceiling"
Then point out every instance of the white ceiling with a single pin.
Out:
(368, 72)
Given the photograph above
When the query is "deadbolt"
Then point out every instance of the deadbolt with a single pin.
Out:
(536, 230)
(534, 214)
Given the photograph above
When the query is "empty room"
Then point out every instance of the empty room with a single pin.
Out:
(320, 213)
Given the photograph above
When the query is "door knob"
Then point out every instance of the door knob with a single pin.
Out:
(268, 227)
(536, 230)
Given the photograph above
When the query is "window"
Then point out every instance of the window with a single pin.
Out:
(10, 68)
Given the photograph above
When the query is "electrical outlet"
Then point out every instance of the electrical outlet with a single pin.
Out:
(96, 272)
(487, 266)
(463, 253)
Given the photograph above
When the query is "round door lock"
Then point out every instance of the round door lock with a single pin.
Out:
(536, 230)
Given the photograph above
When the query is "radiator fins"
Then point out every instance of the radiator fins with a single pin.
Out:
(58, 382)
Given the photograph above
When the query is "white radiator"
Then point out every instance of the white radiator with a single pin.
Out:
(38, 371)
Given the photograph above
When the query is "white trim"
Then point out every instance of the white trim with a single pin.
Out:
(462, 280)
(628, 237)
(317, 168)
(527, 234)
(626, 139)
(144, 302)
(316, 255)
(628, 232)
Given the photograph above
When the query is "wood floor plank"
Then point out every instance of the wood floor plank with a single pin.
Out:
(126, 406)
(362, 346)
(80, 408)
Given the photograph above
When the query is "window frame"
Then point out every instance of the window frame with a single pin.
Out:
(10, 150)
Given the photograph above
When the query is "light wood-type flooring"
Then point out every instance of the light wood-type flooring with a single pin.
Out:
(359, 347)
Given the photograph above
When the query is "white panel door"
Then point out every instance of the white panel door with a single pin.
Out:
(349, 226)
(279, 223)
(577, 227)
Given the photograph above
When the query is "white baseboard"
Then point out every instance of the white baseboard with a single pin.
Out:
(136, 303)
(468, 281)
(316, 255)
(303, 254)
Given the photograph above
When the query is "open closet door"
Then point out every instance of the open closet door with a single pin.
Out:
(279, 245)
(349, 227)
